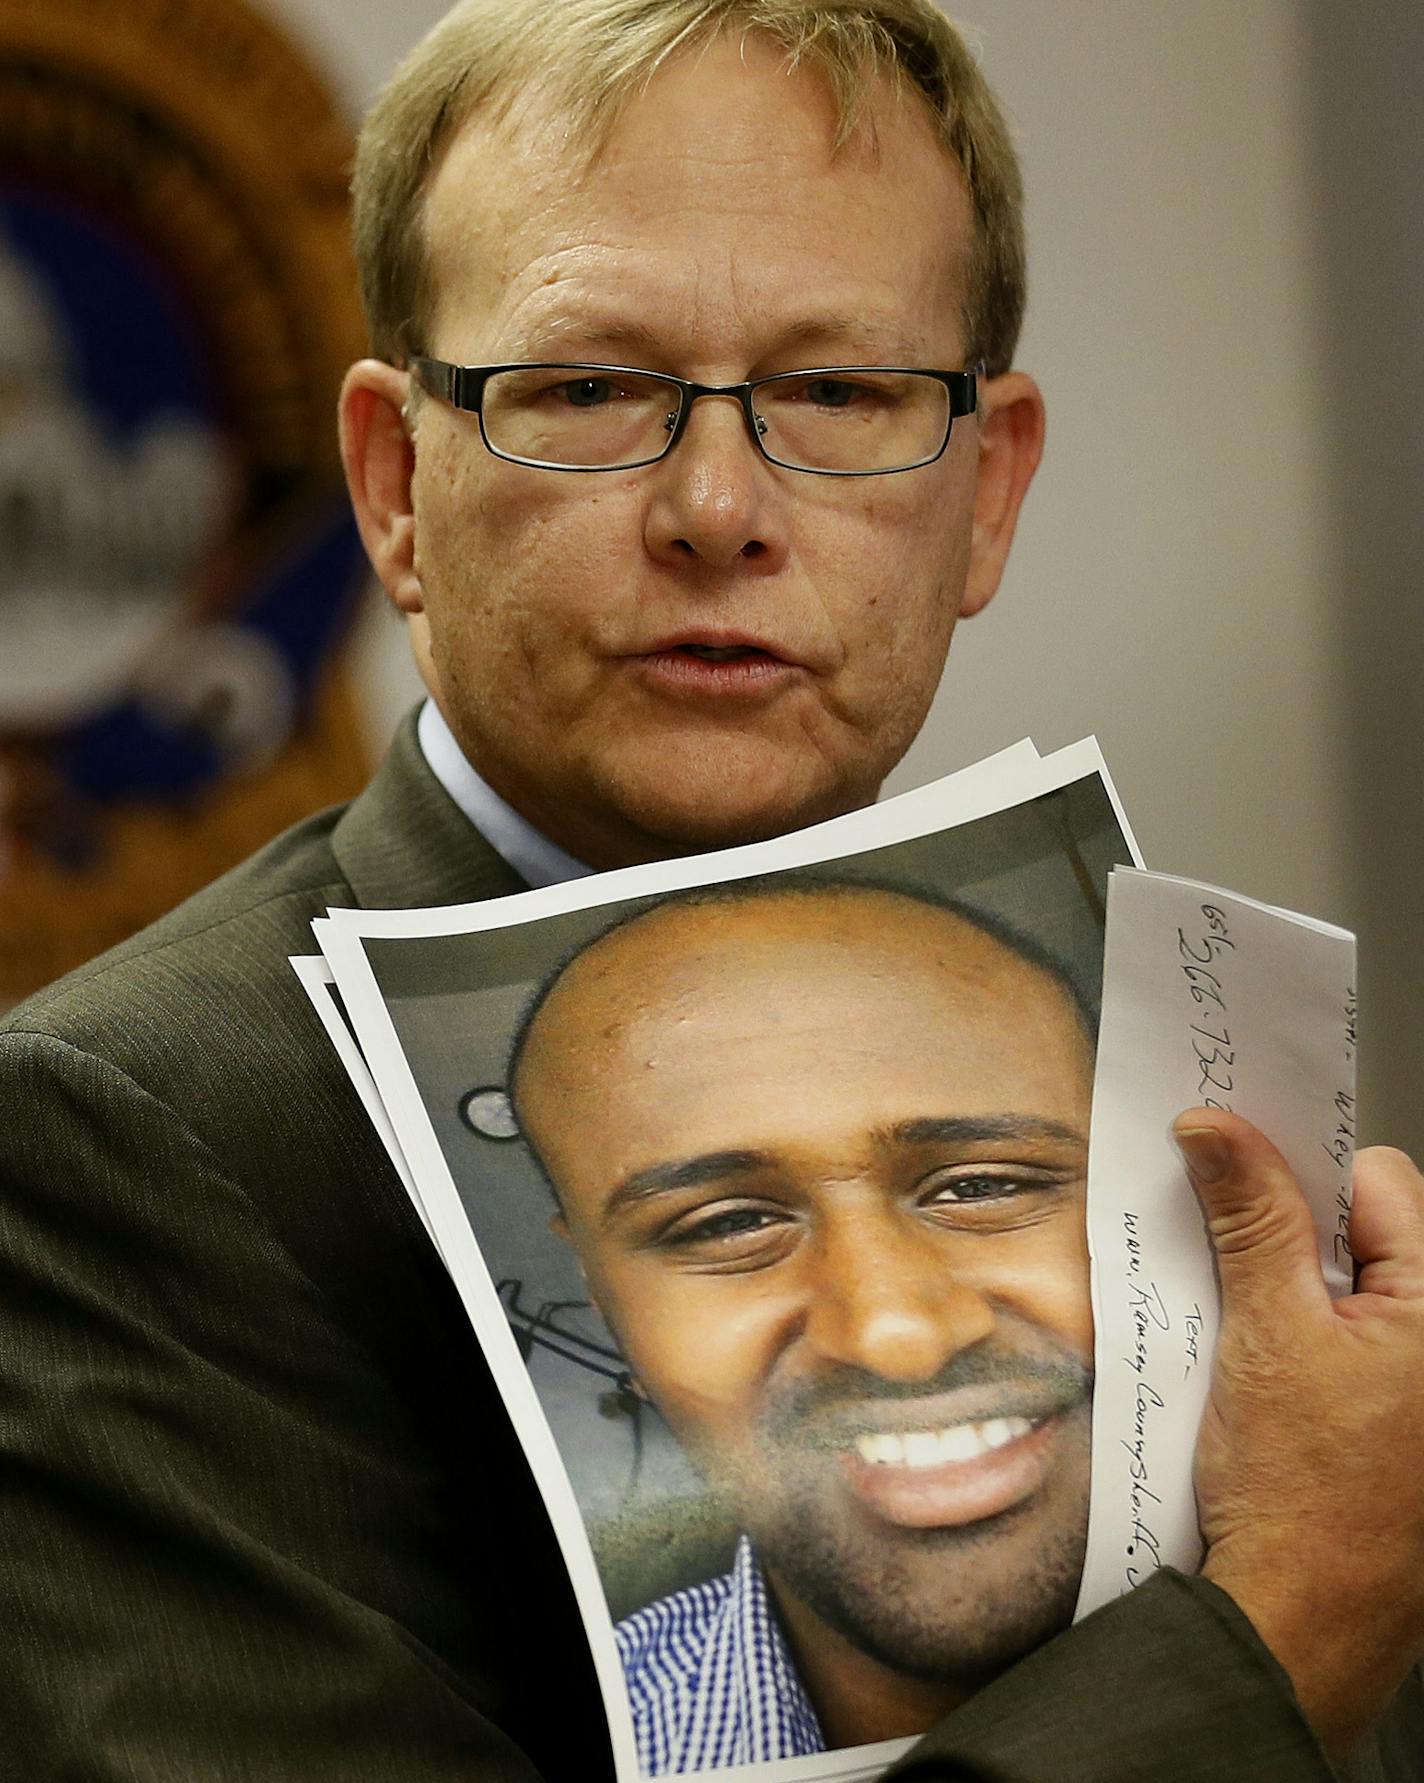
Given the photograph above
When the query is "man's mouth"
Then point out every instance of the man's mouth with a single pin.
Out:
(717, 668)
(933, 1448)
(949, 1476)
(725, 652)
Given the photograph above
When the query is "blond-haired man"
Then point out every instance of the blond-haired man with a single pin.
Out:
(691, 435)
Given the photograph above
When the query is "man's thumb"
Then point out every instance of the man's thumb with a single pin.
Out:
(1258, 1221)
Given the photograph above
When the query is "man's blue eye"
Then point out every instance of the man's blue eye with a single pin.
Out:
(588, 393)
(830, 393)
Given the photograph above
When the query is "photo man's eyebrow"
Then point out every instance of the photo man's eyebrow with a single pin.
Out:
(680, 1173)
(971, 1129)
(934, 1129)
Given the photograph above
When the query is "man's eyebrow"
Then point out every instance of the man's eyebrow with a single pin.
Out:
(934, 1129)
(971, 1129)
(846, 332)
(680, 1173)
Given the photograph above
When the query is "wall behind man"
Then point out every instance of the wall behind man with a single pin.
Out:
(1367, 160)
(1219, 569)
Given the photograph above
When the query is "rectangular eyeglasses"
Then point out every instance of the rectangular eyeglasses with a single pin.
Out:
(835, 421)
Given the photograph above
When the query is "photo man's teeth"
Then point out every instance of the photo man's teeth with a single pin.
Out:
(933, 1448)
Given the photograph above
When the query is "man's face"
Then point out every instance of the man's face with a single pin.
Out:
(823, 1161)
(717, 238)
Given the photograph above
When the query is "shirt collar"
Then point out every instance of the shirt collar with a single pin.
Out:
(787, 1724)
(533, 856)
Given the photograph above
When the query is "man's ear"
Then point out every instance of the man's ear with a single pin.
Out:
(379, 460)
(1011, 424)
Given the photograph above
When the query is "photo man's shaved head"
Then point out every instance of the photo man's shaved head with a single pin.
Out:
(821, 1151)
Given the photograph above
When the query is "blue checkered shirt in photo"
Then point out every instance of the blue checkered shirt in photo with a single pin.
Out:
(710, 1680)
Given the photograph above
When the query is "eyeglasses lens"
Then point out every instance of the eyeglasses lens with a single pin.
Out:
(853, 421)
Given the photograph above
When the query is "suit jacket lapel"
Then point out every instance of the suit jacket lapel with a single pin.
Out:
(405, 843)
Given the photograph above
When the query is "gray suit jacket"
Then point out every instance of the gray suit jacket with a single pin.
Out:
(263, 1516)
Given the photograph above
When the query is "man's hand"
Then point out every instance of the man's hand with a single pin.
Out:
(1310, 1463)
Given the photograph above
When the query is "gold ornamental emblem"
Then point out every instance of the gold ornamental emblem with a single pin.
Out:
(177, 560)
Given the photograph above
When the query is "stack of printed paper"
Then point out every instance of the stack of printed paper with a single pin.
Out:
(849, 1370)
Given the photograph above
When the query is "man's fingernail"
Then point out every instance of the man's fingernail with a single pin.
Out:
(1205, 1153)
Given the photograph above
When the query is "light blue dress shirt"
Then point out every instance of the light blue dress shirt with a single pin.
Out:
(532, 855)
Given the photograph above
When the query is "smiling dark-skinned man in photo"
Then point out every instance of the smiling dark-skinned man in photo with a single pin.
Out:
(691, 431)
(837, 1224)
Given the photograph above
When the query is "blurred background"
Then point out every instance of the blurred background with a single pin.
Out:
(1219, 571)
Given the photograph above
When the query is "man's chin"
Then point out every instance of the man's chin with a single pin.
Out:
(944, 1606)
(699, 806)
(949, 1605)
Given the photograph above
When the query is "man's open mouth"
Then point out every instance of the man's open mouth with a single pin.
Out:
(947, 1472)
(934, 1448)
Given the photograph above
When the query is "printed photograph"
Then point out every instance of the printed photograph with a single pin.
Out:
(780, 1183)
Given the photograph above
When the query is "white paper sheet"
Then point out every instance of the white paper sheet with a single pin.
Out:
(1208, 999)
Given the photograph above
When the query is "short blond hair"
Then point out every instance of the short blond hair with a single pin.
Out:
(591, 57)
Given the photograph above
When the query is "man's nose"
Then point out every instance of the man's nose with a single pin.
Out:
(884, 1295)
(715, 498)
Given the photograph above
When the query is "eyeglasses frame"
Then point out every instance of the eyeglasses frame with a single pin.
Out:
(463, 388)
